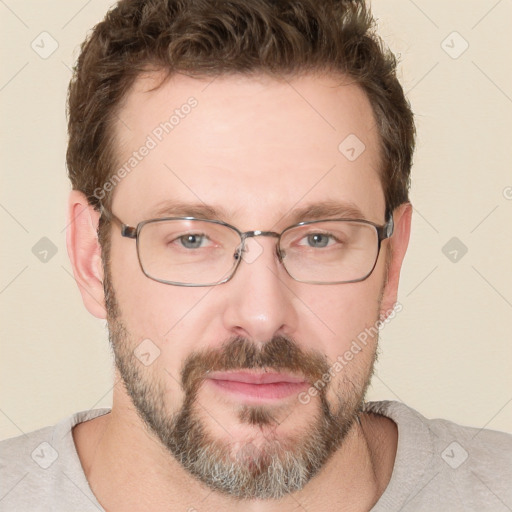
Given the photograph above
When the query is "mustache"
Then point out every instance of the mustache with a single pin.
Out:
(281, 353)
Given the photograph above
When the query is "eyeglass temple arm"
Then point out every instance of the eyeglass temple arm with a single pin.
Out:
(126, 231)
(387, 230)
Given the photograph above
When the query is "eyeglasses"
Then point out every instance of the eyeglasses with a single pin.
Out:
(186, 251)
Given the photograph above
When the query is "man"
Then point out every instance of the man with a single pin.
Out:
(239, 215)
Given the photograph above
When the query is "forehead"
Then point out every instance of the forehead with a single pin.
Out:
(254, 146)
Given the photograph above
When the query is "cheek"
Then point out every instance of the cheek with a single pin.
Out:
(343, 311)
(148, 308)
(352, 315)
(173, 318)
(346, 315)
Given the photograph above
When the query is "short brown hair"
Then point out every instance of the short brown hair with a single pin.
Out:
(219, 37)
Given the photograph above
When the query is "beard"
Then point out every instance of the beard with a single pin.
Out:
(267, 469)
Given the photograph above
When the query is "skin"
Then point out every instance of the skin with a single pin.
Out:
(261, 149)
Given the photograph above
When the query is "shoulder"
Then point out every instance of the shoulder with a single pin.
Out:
(439, 462)
(483, 442)
(24, 450)
(41, 468)
(475, 458)
(39, 443)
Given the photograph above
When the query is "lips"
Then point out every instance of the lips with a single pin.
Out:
(257, 386)
(256, 378)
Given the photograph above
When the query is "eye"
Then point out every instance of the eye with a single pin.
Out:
(192, 240)
(318, 240)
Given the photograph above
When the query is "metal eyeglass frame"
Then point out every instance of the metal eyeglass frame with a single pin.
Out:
(383, 232)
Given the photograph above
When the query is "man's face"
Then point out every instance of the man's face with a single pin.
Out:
(256, 150)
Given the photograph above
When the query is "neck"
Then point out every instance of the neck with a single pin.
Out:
(128, 469)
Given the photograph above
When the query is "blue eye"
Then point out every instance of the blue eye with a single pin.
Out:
(318, 240)
(192, 241)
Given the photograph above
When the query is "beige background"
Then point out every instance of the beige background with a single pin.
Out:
(447, 354)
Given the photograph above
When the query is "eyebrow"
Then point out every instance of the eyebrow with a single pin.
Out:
(183, 209)
(314, 211)
(326, 210)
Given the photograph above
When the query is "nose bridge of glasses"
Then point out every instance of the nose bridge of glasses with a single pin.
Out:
(257, 233)
(252, 234)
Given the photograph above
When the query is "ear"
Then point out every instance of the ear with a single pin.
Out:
(398, 246)
(85, 252)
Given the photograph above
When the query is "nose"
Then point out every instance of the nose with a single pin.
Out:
(259, 300)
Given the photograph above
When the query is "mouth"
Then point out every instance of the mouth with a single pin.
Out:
(257, 386)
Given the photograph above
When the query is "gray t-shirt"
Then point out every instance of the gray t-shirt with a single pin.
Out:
(439, 466)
